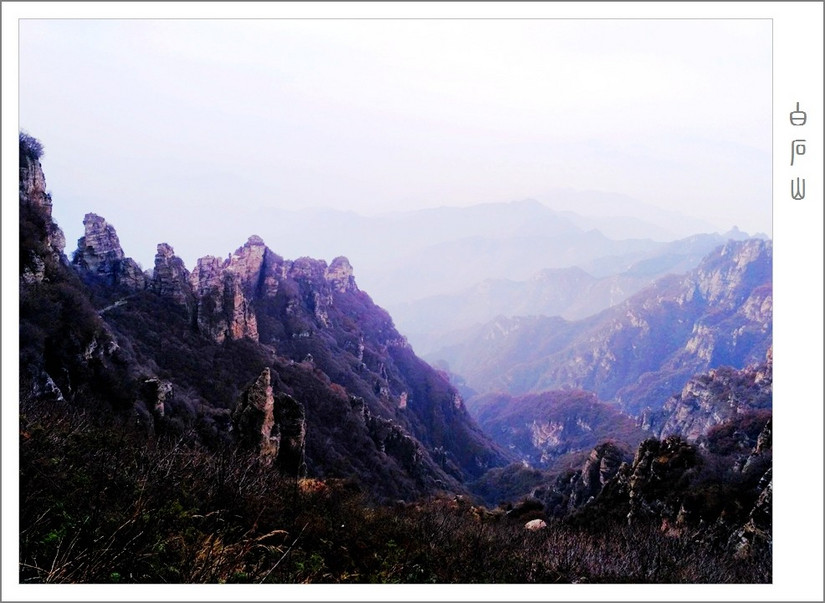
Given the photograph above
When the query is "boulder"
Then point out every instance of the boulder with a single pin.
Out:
(535, 524)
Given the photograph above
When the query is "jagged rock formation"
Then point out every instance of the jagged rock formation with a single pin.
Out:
(340, 275)
(100, 257)
(763, 448)
(657, 467)
(573, 489)
(757, 533)
(272, 424)
(171, 278)
(673, 484)
(224, 290)
(714, 398)
(158, 394)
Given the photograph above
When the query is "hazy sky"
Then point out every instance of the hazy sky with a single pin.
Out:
(147, 121)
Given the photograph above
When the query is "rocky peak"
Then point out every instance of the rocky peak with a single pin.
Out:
(272, 424)
(308, 270)
(657, 466)
(247, 263)
(339, 275)
(601, 465)
(171, 278)
(100, 256)
(224, 292)
(254, 418)
(206, 275)
(572, 491)
(757, 533)
(100, 240)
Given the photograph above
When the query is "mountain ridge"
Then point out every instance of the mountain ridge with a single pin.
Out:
(641, 351)
(178, 348)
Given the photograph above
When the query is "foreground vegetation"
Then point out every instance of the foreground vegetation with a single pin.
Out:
(101, 504)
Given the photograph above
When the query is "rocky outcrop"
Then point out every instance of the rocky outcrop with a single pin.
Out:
(724, 278)
(44, 388)
(41, 240)
(254, 418)
(601, 466)
(572, 490)
(391, 439)
(100, 258)
(256, 267)
(290, 418)
(32, 183)
(157, 394)
(763, 448)
(272, 424)
(641, 488)
(678, 487)
(171, 278)
(657, 467)
(339, 275)
(714, 398)
(226, 289)
(757, 533)
(223, 311)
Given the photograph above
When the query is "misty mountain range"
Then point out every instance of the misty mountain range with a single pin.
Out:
(249, 398)
(639, 352)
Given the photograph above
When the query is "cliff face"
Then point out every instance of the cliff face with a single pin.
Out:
(64, 345)
(41, 240)
(572, 490)
(171, 278)
(224, 290)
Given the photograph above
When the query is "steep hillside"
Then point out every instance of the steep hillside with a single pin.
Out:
(289, 358)
(645, 349)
